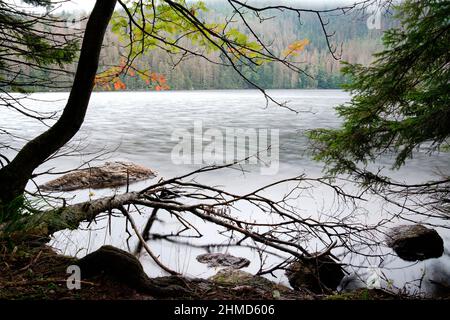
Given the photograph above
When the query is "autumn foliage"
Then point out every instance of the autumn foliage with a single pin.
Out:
(295, 48)
(113, 78)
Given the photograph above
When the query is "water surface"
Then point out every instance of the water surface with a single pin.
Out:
(137, 126)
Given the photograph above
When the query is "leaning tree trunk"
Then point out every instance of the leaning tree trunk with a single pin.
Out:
(14, 176)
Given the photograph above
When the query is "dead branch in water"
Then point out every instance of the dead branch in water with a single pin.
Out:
(272, 226)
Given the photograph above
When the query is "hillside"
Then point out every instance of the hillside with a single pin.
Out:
(354, 40)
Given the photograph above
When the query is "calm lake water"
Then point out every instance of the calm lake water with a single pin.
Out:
(138, 127)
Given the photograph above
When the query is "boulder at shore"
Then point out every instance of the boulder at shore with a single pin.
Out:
(111, 174)
(232, 276)
(214, 260)
(244, 284)
(415, 242)
(315, 274)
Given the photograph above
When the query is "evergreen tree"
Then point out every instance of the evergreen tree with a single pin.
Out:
(400, 102)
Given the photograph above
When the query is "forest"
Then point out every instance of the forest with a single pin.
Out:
(354, 40)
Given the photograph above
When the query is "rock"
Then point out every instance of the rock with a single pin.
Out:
(123, 267)
(230, 276)
(249, 286)
(315, 274)
(111, 174)
(214, 260)
(415, 242)
(276, 294)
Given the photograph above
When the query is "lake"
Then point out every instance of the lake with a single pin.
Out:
(143, 127)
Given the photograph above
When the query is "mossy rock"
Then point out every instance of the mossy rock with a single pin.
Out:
(233, 277)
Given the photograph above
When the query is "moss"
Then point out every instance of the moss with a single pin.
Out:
(364, 294)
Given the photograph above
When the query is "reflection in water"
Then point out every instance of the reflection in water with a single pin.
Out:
(138, 126)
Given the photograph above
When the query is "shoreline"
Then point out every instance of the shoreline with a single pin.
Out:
(40, 273)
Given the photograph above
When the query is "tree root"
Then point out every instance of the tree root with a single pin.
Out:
(126, 269)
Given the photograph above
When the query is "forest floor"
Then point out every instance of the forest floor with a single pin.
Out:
(38, 273)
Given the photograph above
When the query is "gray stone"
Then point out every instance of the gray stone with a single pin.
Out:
(111, 174)
(230, 276)
(214, 260)
(415, 242)
(249, 285)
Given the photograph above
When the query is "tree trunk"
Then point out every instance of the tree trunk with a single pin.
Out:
(15, 176)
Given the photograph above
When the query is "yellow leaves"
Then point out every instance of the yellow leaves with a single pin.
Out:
(295, 48)
(110, 76)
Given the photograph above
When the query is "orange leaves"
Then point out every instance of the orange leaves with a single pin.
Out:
(119, 85)
(110, 76)
(115, 78)
(295, 48)
(105, 81)
(160, 80)
(161, 83)
(156, 79)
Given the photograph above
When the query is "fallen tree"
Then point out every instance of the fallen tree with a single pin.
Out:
(280, 229)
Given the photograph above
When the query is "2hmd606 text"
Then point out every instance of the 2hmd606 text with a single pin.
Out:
(246, 309)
